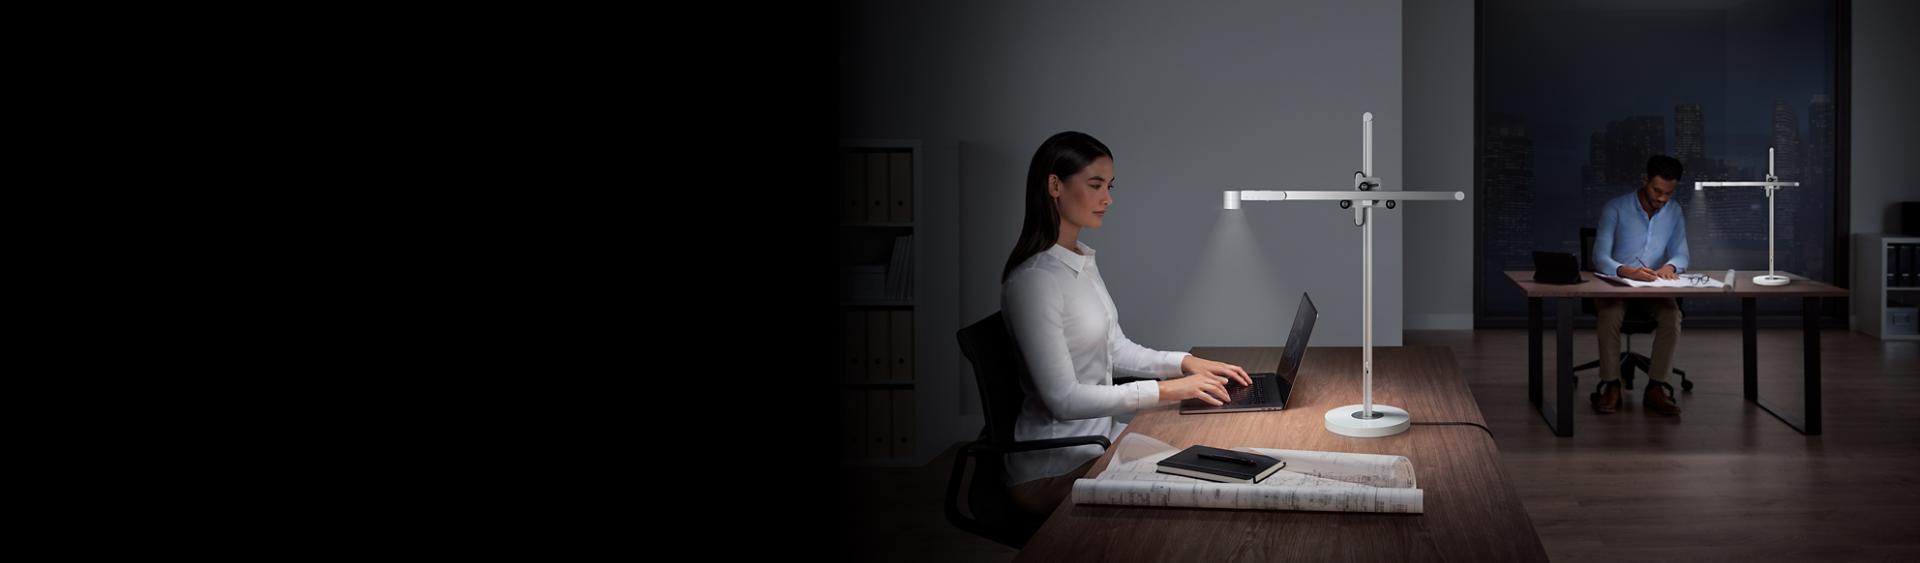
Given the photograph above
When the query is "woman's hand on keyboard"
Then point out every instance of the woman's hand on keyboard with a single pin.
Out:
(1202, 386)
(1194, 364)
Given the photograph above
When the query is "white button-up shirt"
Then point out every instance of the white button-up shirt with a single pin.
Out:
(1058, 310)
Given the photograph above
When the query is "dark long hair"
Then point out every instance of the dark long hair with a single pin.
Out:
(1063, 155)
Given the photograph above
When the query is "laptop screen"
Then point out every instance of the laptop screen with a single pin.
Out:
(1297, 340)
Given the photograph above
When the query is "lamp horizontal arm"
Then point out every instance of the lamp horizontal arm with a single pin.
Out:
(1698, 185)
(1337, 195)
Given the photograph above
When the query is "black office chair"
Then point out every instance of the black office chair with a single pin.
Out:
(998, 368)
(1639, 320)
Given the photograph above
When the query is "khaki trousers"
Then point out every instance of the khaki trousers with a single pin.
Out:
(1666, 315)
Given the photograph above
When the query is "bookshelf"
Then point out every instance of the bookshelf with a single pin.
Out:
(1884, 308)
(880, 182)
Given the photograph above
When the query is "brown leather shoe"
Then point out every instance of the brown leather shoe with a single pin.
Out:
(1606, 397)
(1659, 398)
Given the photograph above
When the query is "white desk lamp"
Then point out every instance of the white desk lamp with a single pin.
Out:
(1773, 183)
(1365, 420)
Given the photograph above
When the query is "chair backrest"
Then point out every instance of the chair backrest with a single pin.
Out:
(1587, 234)
(997, 369)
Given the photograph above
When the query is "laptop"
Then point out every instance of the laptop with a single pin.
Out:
(1269, 391)
(1555, 268)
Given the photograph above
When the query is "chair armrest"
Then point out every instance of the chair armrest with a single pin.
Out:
(973, 525)
(1126, 380)
(1047, 444)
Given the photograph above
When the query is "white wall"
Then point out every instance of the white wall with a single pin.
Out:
(1886, 123)
(1439, 239)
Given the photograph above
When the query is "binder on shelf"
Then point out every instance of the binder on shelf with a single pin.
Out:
(1898, 264)
(878, 357)
(853, 186)
(1911, 271)
(901, 345)
(879, 424)
(1893, 264)
(894, 255)
(876, 187)
(903, 429)
(853, 423)
(900, 187)
(900, 270)
(853, 369)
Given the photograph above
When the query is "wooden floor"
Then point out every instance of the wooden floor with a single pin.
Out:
(1724, 481)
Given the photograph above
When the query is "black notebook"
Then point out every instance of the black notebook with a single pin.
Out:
(1224, 466)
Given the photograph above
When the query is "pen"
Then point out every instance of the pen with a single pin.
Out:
(1228, 459)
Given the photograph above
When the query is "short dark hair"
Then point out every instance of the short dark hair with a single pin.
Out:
(1663, 166)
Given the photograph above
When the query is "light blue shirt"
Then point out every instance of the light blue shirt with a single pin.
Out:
(1626, 234)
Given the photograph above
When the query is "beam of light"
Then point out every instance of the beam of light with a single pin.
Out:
(1212, 297)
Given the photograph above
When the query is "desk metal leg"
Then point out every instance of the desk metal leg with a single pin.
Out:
(1810, 358)
(1810, 336)
(1749, 346)
(1533, 351)
(1559, 413)
(1563, 389)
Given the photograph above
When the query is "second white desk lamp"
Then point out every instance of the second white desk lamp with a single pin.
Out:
(1773, 183)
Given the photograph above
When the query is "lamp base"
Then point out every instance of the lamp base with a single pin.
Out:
(1770, 280)
(1387, 421)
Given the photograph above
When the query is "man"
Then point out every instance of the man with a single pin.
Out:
(1641, 237)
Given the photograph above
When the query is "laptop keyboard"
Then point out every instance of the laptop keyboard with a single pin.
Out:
(1243, 393)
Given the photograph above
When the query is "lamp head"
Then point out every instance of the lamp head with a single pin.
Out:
(1233, 200)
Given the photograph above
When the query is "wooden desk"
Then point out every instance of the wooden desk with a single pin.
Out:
(1559, 414)
(1472, 512)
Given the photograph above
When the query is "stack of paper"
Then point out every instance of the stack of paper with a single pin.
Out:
(1315, 481)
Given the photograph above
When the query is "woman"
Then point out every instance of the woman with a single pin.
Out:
(1058, 309)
